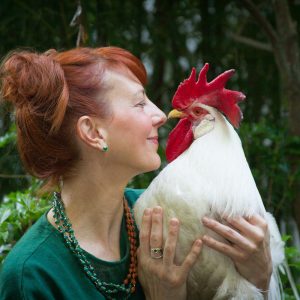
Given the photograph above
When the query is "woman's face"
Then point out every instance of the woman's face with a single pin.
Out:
(132, 131)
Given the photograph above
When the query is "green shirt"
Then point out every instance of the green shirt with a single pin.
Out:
(40, 266)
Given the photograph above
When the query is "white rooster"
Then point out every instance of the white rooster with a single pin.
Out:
(209, 176)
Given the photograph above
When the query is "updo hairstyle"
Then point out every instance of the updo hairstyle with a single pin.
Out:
(50, 91)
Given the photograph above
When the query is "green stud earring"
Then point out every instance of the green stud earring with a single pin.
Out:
(104, 149)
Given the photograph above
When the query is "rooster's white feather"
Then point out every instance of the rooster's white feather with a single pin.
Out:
(211, 178)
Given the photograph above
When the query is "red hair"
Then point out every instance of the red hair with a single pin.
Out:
(50, 91)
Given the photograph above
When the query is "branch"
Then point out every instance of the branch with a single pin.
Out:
(77, 21)
(13, 176)
(250, 42)
(253, 9)
(283, 16)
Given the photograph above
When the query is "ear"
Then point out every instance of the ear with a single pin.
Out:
(89, 131)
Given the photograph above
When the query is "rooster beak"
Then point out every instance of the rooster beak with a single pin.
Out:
(176, 114)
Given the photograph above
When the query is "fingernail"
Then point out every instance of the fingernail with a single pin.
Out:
(157, 209)
(205, 220)
(198, 243)
(147, 211)
(174, 222)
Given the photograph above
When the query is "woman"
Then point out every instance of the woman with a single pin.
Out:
(86, 127)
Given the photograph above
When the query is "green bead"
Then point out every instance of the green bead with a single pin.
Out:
(65, 228)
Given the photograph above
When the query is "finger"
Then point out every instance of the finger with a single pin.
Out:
(171, 241)
(229, 234)
(252, 231)
(191, 258)
(234, 253)
(156, 237)
(258, 220)
(145, 231)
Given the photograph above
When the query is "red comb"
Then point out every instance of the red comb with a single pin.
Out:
(210, 93)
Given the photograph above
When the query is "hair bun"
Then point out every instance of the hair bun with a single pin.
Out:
(20, 77)
(36, 81)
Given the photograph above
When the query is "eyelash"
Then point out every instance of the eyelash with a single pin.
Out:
(142, 103)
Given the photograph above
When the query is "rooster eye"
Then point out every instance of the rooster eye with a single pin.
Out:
(197, 111)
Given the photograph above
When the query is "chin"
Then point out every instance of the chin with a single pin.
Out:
(152, 165)
(156, 166)
(156, 162)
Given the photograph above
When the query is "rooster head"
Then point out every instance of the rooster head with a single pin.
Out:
(188, 103)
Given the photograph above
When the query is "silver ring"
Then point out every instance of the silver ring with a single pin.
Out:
(156, 253)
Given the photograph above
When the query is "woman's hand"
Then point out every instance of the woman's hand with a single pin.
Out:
(160, 277)
(248, 247)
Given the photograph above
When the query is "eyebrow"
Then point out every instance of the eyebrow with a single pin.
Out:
(142, 91)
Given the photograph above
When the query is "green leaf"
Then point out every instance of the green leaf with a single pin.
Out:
(285, 238)
(5, 248)
(4, 236)
(3, 216)
(7, 138)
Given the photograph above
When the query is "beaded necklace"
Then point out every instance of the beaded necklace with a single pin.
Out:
(110, 290)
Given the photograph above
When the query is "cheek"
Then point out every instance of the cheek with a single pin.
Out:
(145, 125)
(133, 129)
(139, 125)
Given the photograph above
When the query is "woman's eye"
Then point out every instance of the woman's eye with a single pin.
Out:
(141, 104)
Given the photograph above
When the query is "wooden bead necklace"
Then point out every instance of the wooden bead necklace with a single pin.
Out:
(110, 290)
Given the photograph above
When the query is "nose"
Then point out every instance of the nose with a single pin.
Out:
(158, 117)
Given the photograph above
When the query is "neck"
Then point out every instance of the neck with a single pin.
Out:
(94, 205)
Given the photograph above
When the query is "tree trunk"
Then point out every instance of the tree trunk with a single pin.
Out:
(284, 41)
(287, 57)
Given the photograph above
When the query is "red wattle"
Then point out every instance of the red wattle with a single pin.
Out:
(180, 138)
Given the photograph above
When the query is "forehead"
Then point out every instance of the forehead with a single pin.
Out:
(122, 85)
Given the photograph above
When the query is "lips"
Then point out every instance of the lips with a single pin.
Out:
(153, 139)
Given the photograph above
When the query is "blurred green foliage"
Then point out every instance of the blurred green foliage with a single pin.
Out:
(18, 212)
(293, 258)
(268, 149)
